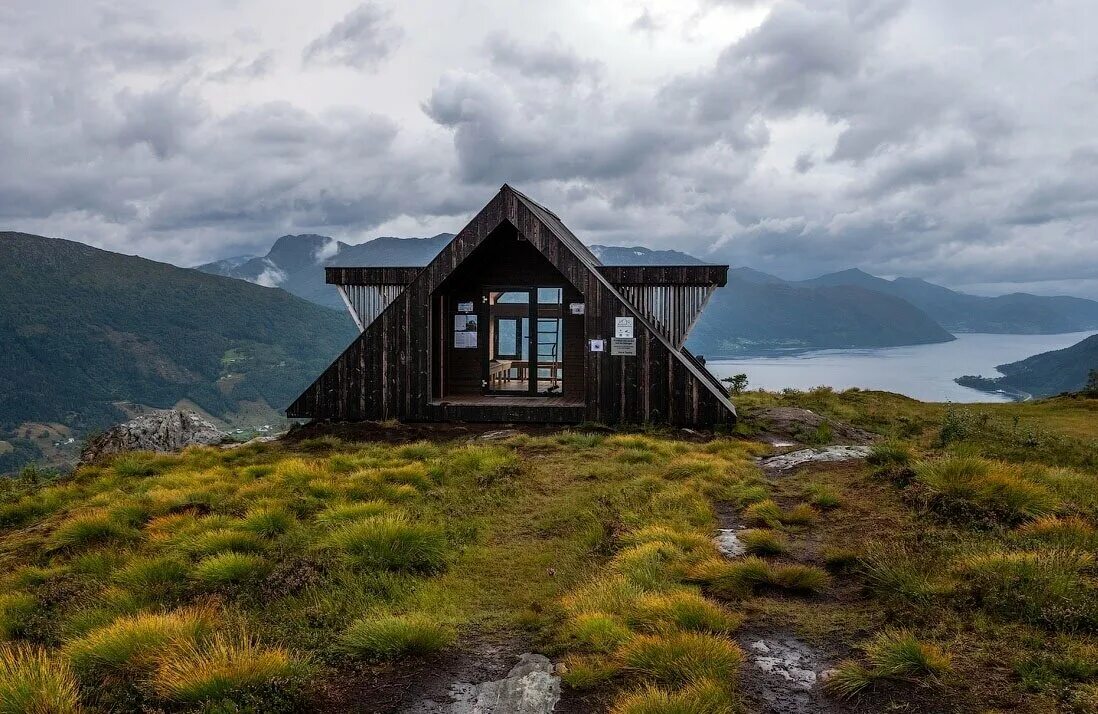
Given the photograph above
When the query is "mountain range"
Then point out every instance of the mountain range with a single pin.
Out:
(755, 313)
(90, 336)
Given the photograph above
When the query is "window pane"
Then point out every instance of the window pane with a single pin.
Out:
(549, 296)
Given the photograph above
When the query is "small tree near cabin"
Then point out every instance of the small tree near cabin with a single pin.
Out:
(736, 383)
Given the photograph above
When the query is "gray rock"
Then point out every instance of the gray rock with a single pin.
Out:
(161, 430)
(785, 462)
(788, 677)
(530, 687)
(791, 424)
(498, 435)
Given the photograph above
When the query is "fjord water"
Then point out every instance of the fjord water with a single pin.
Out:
(924, 372)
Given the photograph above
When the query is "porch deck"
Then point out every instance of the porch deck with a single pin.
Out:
(480, 407)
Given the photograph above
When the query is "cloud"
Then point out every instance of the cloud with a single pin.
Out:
(362, 39)
(272, 276)
(943, 140)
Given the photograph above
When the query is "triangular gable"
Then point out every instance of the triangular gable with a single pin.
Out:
(503, 207)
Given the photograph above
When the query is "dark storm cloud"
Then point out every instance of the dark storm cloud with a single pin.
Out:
(362, 39)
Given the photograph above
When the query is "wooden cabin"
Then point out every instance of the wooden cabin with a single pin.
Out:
(517, 321)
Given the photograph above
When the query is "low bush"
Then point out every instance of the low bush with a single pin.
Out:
(32, 682)
(892, 655)
(391, 543)
(393, 636)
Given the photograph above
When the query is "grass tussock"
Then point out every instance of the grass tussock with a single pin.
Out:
(91, 530)
(230, 569)
(769, 514)
(392, 636)
(16, 609)
(968, 487)
(225, 670)
(134, 644)
(892, 655)
(763, 541)
(390, 543)
(682, 658)
(33, 682)
(705, 697)
(737, 579)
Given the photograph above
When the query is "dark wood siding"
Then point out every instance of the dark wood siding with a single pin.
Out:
(387, 372)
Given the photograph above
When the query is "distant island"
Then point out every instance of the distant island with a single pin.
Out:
(1043, 375)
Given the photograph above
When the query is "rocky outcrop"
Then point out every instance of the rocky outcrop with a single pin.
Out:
(793, 459)
(799, 425)
(166, 430)
(531, 687)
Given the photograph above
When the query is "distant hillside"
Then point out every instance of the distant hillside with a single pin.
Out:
(296, 263)
(752, 315)
(84, 328)
(1016, 313)
(621, 255)
(1042, 375)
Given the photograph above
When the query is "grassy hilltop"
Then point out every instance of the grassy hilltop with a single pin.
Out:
(953, 570)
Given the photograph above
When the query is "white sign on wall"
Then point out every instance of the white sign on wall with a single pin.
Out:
(598, 345)
(623, 327)
(623, 347)
(576, 308)
(465, 307)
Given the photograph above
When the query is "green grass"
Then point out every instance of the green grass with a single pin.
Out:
(91, 530)
(33, 682)
(392, 636)
(681, 659)
(1002, 491)
(16, 608)
(229, 569)
(225, 670)
(390, 543)
(892, 655)
(706, 697)
(135, 644)
(763, 541)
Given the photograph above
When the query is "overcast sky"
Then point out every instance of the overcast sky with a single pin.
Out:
(956, 141)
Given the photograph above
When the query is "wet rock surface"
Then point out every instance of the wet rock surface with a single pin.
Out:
(728, 543)
(784, 674)
(164, 430)
(530, 687)
(784, 462)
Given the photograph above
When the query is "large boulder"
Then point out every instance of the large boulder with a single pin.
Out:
(800, 425)
(161, 430)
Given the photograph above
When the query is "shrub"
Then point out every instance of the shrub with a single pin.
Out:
(229, 568)
(391, 543)
(1049, 588)
(91, 530)
(267, 522)
(682, 658)
(683, 610)
(15, 609)
(598, 631)
(763, 541)
(704, 697)
(394, 636)
(225, 669)
(31, 682)
(135, 643)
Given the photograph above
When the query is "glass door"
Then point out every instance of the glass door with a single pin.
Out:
(525, 341)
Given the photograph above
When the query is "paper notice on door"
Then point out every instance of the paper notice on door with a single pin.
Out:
(465, 340)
